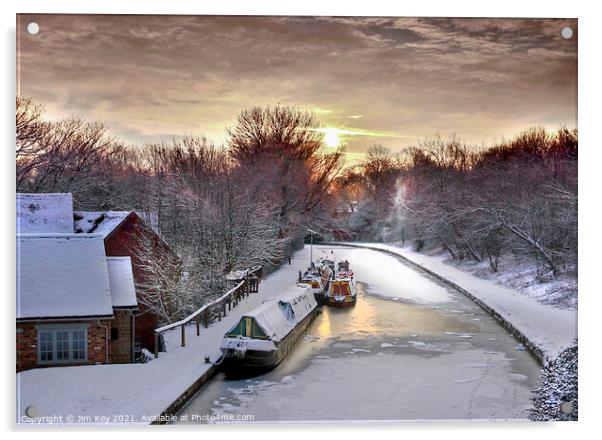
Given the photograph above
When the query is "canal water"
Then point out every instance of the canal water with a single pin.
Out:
(411, 349)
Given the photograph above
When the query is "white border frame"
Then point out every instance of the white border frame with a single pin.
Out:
(590, 99)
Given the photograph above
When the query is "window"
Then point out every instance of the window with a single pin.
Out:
(79, 344)
(257, 332)
(247, 327)
(62, 344)
(46, 346)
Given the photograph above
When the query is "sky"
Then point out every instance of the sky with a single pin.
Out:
(392, 81)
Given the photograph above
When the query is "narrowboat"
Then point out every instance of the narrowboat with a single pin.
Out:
(342, 292)
(318, 279)
(262, 338)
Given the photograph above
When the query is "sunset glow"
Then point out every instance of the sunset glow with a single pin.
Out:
(331, 137)
(477, 88)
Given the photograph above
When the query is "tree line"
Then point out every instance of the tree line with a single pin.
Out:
(516, 198)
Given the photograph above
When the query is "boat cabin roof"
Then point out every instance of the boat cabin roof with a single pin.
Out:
(280, 314)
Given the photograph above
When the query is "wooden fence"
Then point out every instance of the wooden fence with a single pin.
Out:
(216, 309)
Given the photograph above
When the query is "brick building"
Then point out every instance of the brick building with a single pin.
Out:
(65, 301)
(123, 233)
(75, 306)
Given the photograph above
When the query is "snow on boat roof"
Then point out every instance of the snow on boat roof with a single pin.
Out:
(44, 213)
(271, 317)
(121, 281)
(99, 222)
(62, 276)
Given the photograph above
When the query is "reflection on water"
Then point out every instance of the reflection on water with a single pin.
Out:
(375, 317)
(388, 359)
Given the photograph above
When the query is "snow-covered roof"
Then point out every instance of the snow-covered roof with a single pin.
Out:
(62, 275)
(98, 222)
(272, 314)
(44, 213)
(121, 280)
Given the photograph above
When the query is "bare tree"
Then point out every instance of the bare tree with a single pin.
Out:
(65, 156)
(279, 153)
(163, 291)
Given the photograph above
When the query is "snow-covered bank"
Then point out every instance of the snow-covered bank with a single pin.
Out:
(137, 393)
(546, 329)
(557, 395)
(520, 274)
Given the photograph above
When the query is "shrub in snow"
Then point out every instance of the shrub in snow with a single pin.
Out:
(558, 384)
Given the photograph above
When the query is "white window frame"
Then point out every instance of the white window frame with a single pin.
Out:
(54, 329)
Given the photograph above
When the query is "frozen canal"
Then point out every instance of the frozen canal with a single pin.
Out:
(411, 348)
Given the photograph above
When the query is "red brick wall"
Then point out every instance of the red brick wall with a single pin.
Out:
(27, 343)
(146, 323)
(122, 243)
(121, 348)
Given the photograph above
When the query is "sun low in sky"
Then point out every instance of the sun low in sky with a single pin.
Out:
(335, 137)
(331, 137)
(370, 80)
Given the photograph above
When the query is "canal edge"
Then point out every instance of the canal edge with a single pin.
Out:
(536, 351)
(185, 397)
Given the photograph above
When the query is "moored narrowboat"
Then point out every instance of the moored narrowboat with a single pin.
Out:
(318, 279)
(342, 292)
(263, 338)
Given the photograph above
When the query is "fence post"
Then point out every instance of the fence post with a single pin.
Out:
(156, 345)
(206, 317)
(198, 326)
(183, 327)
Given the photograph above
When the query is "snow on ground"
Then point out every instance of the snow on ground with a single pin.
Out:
(135, 393)
(550, 328)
